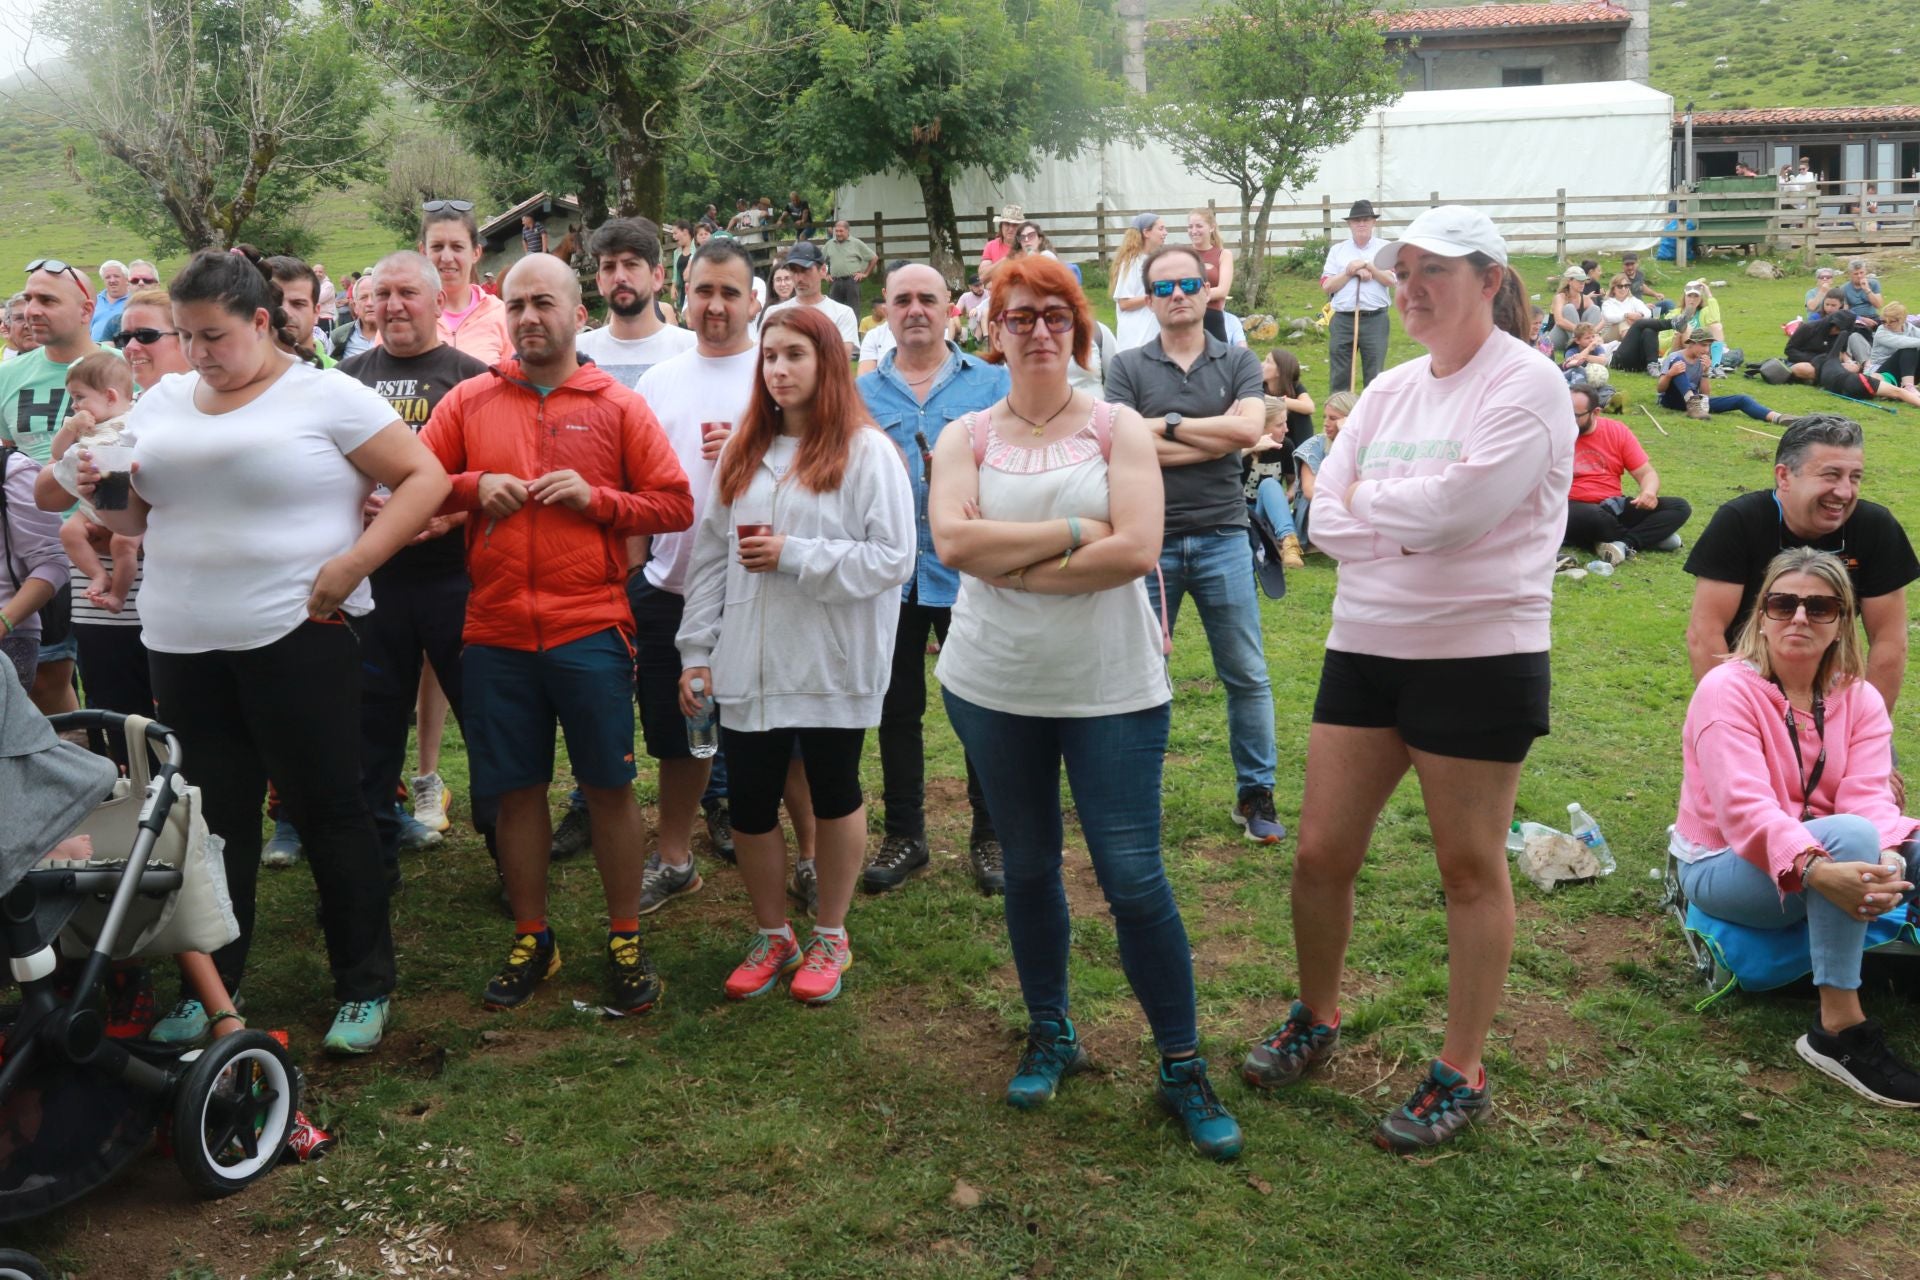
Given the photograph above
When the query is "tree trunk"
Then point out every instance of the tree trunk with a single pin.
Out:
(593, 198)
(1246, 268)
(1257, 260)
(943, 227)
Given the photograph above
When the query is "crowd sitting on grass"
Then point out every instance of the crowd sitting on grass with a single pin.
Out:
(741, 551)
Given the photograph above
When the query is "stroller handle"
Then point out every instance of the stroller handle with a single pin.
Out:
(157, 735)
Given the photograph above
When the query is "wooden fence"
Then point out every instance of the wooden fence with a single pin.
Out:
(1837, 218)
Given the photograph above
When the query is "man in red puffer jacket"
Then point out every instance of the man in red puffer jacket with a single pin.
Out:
(560, 464)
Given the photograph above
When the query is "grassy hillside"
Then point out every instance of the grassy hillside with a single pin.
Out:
(1780, 53)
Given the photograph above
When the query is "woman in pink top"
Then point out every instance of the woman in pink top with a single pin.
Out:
(1444, 504)
(471, 319)
(1785, 812)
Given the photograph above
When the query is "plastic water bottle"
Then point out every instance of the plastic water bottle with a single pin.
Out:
(1599, 568)
(1518, 834)
(1587, 832)
(703, 728)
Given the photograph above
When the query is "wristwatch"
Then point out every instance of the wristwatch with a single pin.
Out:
(1173, 424)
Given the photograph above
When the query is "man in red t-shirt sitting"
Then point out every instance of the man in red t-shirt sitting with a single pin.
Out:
(1599, 513)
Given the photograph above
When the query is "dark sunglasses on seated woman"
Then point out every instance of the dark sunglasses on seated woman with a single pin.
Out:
(1020, 320)
(145, 337)
(1782, 605)
(1188, 285)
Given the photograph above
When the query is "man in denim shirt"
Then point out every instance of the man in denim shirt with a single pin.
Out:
(921, 385)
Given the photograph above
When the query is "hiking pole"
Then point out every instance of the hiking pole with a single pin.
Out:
(1655, 421)
(1353, 356)
(1884, 408)
(1753, 431)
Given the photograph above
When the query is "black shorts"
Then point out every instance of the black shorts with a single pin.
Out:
(656, 668)
(1469, 708)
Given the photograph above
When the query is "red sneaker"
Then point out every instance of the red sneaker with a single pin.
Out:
(825, 960)
(760, 972)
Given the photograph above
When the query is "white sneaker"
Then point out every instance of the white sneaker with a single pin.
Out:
(1615, 552)
(430, 799)
(1672, 542)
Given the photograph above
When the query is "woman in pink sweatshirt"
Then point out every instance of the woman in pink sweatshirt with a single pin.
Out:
(1446, 500)
(1785, 813)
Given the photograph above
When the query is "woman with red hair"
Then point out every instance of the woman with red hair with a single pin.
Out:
(1049, 503)
(793, 597)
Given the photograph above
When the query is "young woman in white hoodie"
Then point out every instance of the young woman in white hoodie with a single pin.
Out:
(790, 627)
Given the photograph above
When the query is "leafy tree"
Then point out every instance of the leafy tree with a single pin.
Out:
(935, 87)
(1257, 91)
(574, 96)
(204, 123)
(427, 164)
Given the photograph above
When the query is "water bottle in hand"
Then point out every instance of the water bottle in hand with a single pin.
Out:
(703, 728)
(1587, 832)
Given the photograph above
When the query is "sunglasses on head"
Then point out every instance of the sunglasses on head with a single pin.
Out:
(145, 337)
(1782, 605)
(1021, 320)
(458, 206)
(56, 267)
(1188, 285)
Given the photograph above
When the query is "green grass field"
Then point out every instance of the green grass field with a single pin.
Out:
(1634, 1136)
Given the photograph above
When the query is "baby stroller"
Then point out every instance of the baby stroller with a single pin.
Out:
(76, 1106)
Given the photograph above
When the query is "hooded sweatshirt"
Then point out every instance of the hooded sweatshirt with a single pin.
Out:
(1740, 785)
(809, 645)
(548, 575)
(1458, 507)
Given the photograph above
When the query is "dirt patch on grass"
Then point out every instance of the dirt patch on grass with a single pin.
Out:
(977, 1052)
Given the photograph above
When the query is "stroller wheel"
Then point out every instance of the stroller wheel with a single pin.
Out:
(15, 1265)
(233, 1111)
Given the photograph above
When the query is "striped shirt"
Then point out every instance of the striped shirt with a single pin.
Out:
(88, 614)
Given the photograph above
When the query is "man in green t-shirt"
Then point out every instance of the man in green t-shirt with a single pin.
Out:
(849, 261)
(33, 387)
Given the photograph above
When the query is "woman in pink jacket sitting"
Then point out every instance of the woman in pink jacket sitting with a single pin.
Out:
(1785, 814)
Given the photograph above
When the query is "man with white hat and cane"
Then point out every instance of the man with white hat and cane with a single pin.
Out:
(1361, 294)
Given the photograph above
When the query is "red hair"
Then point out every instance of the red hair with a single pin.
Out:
(1046, 277)
(838, 412)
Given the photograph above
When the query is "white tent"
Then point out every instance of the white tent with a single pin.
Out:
(1480, 145)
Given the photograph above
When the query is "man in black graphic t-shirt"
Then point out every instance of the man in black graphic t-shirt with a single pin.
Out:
(1815, 502)
(420, 595)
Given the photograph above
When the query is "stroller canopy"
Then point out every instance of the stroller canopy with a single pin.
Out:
(47, 785)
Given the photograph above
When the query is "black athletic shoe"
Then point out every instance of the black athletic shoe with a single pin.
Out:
(573, 837)
(633, 984)
(530, 962)
(720, 830)
(1860, 1059)
(898, 858)
(989, 871)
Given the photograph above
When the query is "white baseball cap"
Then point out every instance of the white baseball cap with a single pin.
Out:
(1452, 231)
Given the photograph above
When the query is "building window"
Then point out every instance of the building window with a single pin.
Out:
(1515, 77)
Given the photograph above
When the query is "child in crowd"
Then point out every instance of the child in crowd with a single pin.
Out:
(1686, 384)
(100, 389)
(1584, 353)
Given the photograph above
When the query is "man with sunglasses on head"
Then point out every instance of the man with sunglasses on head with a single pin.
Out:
(33, 405)
(1206, 404)
(1815, 502)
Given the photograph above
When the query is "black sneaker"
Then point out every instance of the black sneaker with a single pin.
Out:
(898, 858)
(530, 962)
(804, 888)
(1860, 1059)
(633, 984)
(573, 837)
(1255, 814)
(1441, 1106)
(720, 830)
(987, 860)
(1295, 1047)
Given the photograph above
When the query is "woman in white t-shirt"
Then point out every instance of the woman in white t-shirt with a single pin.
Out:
(1049, 503)
(1136, 324)
(249, 479)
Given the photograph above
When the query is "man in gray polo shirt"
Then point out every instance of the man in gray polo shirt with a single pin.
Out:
(1203, 398)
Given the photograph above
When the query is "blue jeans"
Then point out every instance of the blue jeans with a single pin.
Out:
(1113, 765)
(1216, 570)
(1730, 888)
(1675, 398)
(1272, 503)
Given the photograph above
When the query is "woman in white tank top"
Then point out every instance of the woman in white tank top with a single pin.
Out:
(1049, 504)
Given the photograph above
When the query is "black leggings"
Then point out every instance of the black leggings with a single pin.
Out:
(757, 773)
(290, 709)
(1215, 321)
(1903, 364)
(1639, 345)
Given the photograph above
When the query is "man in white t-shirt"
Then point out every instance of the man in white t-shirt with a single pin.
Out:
(698, 396)
(808, 266)
(636, 336)
(1361, 294)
